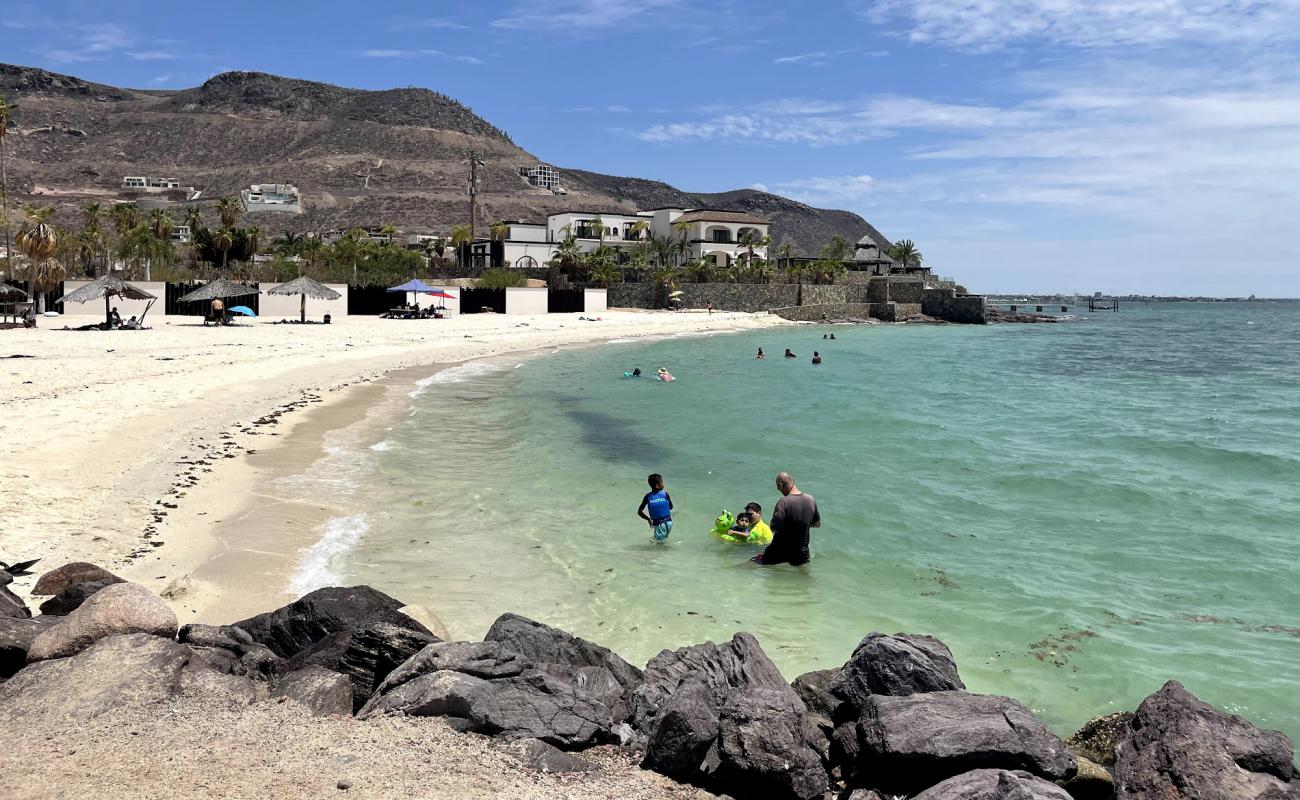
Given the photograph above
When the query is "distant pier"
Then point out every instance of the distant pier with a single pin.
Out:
(1103, 304)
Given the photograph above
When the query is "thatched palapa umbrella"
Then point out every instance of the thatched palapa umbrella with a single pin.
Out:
(307, 288)
(108, 287)
(220, 288)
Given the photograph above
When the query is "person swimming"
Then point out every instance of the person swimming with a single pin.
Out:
(817, 357)
(636, 373)
(789, 354)
(664, 375)
(760, 353)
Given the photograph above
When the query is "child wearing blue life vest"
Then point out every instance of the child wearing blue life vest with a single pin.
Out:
(660, 508)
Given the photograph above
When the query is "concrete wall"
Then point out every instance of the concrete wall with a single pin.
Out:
(595, 301)
(526, 301)
(127, 308)
(946, 304)
(636, 295)
(275, 306)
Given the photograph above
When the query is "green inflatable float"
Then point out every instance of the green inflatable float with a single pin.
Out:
(722, 528)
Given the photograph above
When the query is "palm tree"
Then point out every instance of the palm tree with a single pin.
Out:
(39, 241)
(160, 222)
(460, 237)
(785, 252)
(5, 111)
(229, 209)
(125, 217)
(598, 225)
(194, 219)
(311, 250)
(289, 244)
(223, 240)
(567, 253)
(838, 249)
(499, 231)
(389, 231)
(91, 243)
(254, 235)
(683, 228)
(750, 239)
(905, 253)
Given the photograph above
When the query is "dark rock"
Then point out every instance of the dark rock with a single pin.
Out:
(1099, 736)
(324, 692)
(737, 665)
(11, 605)
(226, 648)
(486, 660)
(762, 750)
(131, 670)
(897, 665)
(71, 598)
(543, 645)
(596, 669)
(16, 637)
(538, 755)
(994, 784)
(910, 743)
(306, 621)
(814, 689)
(366, 655)
(57, 580)
(1180, 747)
(532, 705)
(686, 727)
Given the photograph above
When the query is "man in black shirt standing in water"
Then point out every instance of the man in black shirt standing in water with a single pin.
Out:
(796, 513)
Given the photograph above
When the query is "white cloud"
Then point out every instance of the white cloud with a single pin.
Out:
(616, 109)
(818, 58)
(94, 42)
(583, 15)
(422, 53)
(151, 55)
(437, 23)
(993, 24)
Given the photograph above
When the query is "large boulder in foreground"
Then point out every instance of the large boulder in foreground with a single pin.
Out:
(16, 637)
(896, 665)
(323, 692)
(132, 670)
(1180, 747)
(115, 610)
(57, 580)
(724, 718)
(994, 784)
(71, 598)
(531, 705)
(367, 654)
(309, 619)
(910, 743)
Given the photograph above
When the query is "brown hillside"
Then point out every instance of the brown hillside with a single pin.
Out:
(72, 141)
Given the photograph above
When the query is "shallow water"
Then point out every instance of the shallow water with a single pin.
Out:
(1080, 511)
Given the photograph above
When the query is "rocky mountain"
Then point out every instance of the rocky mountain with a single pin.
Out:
(359, 157)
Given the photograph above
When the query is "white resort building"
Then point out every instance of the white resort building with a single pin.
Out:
(714, 234)
(142, 183)
(281, 197)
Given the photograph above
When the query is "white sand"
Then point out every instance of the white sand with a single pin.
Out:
(93, 427)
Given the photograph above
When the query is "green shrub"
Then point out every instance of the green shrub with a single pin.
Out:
(500, 278)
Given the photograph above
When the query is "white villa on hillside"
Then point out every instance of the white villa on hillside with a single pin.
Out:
(141, 183)
(282, 197)
(714, 234)
(543, 176)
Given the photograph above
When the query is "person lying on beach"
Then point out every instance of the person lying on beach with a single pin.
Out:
(789, 354)
(660, 508)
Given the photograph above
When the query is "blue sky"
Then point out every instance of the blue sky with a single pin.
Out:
(1090, 145)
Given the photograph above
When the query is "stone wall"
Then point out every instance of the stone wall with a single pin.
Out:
(814, 295)
(749, 297)
(895, 289)
(828, 311)
(946, 304)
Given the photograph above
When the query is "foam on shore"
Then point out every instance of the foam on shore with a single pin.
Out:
(320, 563)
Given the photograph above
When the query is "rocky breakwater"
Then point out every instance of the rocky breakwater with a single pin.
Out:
(894, 719)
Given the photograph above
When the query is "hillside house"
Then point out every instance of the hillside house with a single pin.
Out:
(282, 197)
(142, 183)
(543, 176)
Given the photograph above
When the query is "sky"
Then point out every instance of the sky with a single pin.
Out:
(1148, 146)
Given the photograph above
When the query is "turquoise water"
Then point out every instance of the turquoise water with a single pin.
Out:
(1080, 511)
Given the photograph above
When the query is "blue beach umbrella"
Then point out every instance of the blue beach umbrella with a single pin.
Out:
(245, 310)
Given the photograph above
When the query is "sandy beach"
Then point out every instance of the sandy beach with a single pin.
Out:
(148, 452)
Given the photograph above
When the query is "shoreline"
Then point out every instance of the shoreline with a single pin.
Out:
(157, 447)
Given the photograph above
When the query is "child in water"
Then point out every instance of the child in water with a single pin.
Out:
(741, 528)
(660, 508)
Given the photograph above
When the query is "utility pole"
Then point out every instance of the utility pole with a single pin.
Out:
(5, 110)
(474, 163)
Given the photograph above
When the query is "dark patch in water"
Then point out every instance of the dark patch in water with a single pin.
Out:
(1249, 627)
(1058, 647)
(614, 440)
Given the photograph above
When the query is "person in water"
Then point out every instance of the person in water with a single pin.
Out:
(760, 353)
(664, 375)
(789, 354)
(759, 533)
(795, 515)
(817, 357)
(741, 527)
(657, 508)
(832, 336)
(636, 372)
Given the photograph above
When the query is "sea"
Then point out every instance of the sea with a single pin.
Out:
(1081, 511)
